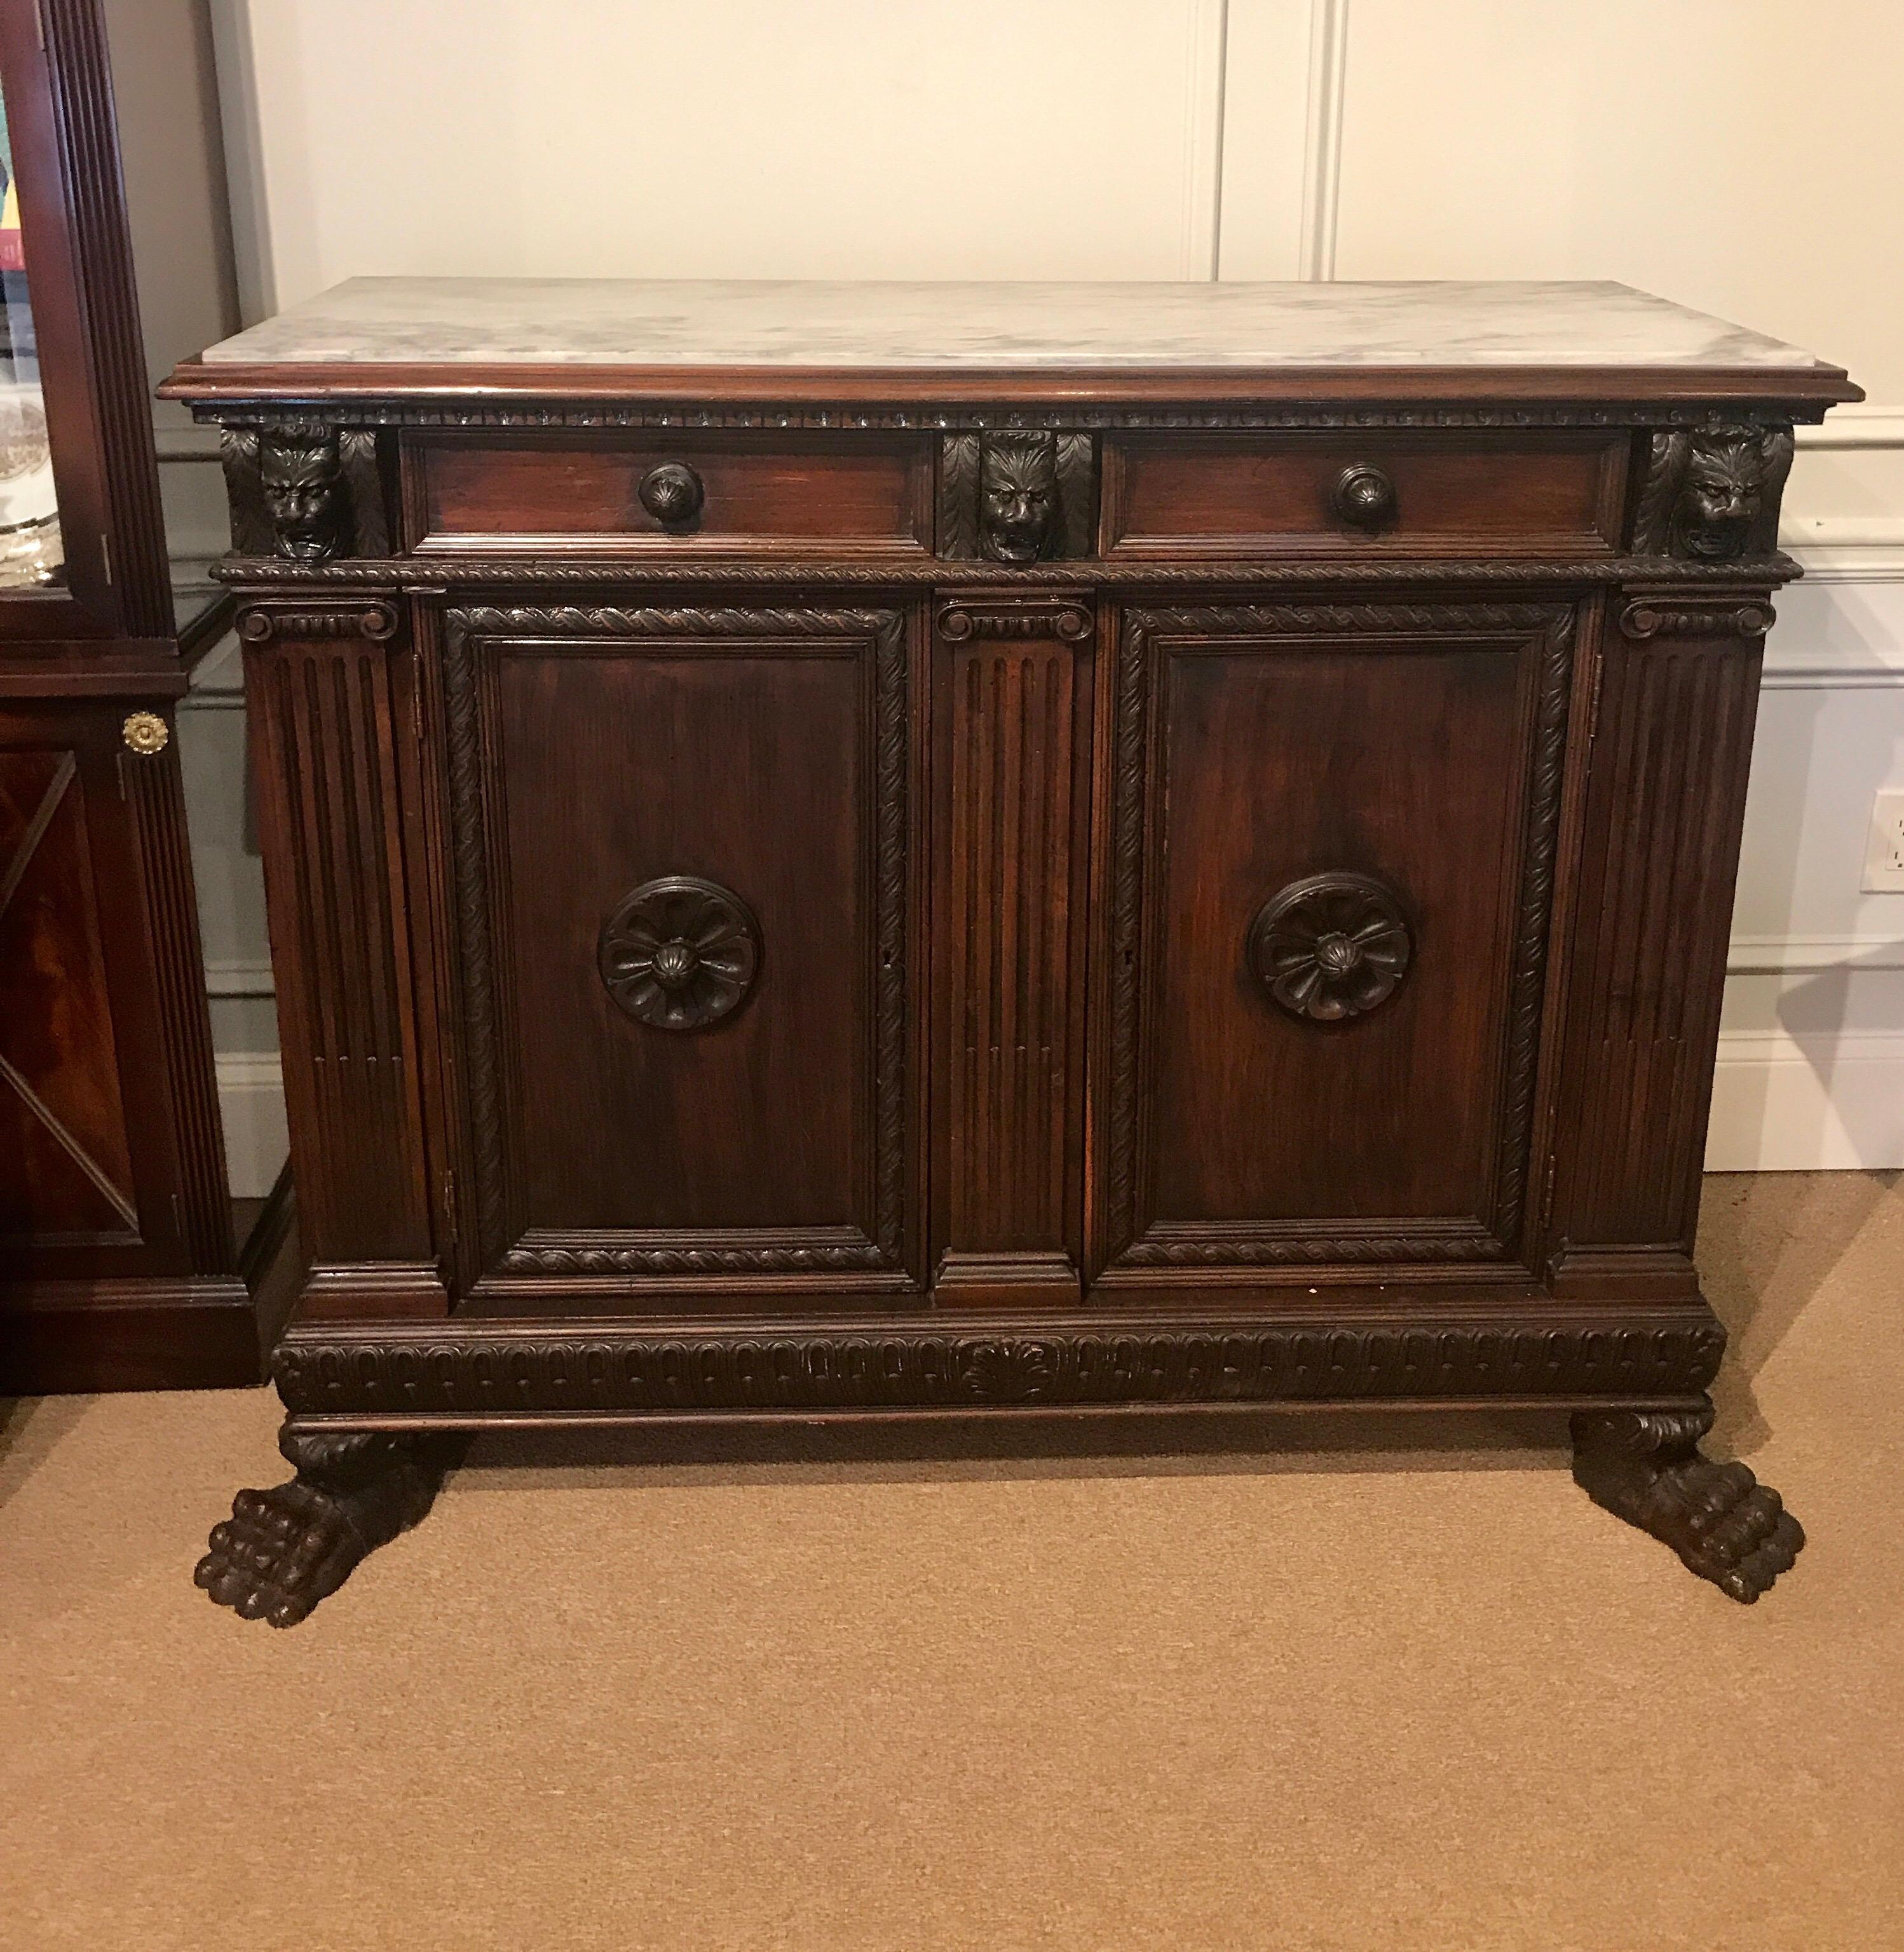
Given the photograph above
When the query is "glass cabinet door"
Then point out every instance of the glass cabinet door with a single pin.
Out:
(31, 554)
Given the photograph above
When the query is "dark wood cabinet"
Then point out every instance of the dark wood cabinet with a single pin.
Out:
(91, 1168)
(118, 1266)
(1189, 867)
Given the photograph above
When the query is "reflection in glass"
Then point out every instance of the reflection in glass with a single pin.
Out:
(31, 553)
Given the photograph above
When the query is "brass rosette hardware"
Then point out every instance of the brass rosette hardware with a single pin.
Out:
(145, 733)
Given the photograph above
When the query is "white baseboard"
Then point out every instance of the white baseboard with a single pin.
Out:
(251, 1101)
(239, 978)
(1830, 1103)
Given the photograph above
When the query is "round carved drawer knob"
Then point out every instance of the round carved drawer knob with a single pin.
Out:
(1331, 947)
(673, 493)
(679, 953)
(1365, 497)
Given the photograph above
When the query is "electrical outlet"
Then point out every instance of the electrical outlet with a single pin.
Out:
(1884, 860)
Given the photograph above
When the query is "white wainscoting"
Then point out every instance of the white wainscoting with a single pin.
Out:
(1828, 1103)
(251, 1102)
(1810, 1067)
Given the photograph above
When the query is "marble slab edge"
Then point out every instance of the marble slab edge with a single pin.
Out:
(1808, 390)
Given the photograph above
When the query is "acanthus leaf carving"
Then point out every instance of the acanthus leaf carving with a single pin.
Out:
(958, 496)
(1017, 495)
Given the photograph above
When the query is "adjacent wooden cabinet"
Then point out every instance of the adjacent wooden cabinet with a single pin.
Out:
(819, 867)
(117, 1263)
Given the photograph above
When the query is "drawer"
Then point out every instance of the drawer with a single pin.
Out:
(1427, 494)
(700, 493)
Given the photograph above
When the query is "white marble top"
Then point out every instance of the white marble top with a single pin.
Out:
(639, 322)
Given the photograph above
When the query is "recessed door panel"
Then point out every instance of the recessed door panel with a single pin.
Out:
(1331, 867)
(65, 1162)
(90, 1183)
(682, 845)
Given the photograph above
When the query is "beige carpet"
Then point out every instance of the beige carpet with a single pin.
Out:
(1381, 1699)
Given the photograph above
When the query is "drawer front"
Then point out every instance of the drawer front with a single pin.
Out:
(1331, 859)
(1430, 494)
(698, 493)
(679, 854)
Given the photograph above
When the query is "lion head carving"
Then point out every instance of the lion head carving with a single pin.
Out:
(1731, 479)
(1018, 495)
(300, 473)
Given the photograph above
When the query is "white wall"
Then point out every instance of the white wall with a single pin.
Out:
(744, 138)
(1745, 156)
(170, 123)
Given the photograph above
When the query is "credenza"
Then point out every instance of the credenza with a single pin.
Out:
(844, 851)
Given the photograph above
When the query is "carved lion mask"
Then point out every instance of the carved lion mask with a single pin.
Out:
(1727, 477)
(300, 475)
(1018, 495)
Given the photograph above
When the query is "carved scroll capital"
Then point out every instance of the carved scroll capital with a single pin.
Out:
(1011, 616)
(1678, 615)
(260, 623)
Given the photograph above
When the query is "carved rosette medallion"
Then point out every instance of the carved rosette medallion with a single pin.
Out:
(1331, 947)
(680, 953)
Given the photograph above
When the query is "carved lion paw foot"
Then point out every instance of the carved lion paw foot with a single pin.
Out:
(1726, 1526)
(280, 1552)
(1645, 1466)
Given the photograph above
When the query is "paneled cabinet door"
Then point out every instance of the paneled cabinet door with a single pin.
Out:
(1327, 882)
(99, 1178)
(682, 885)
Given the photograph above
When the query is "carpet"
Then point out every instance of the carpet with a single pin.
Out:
(974, 1691)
